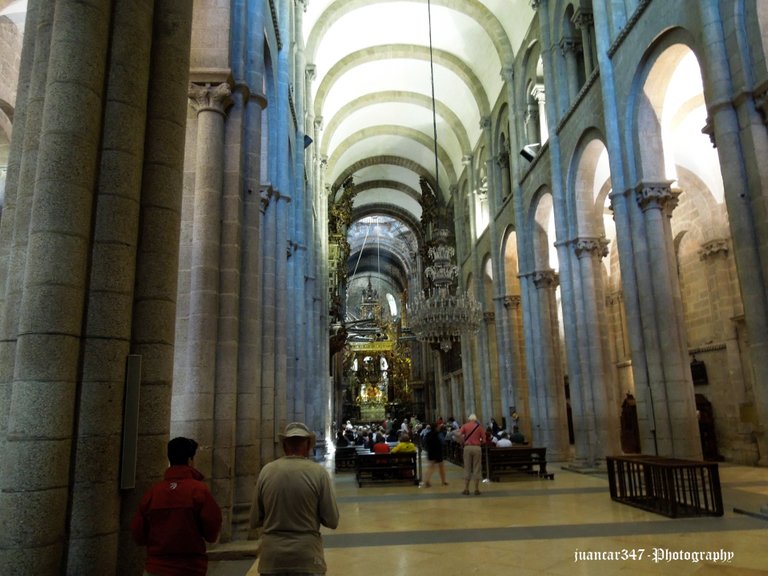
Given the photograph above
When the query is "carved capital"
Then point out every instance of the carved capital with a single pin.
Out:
(466, 159)
(657, 195)
(310, 72)
(591, 247)
(546, 279)
(213, 98)
(569, 45)
(714, 248)
(489, 317)
(709, 130)
(508, 74)
(512, 301)
(582, 18)
(761, 103)
(503, 160)
(485, 122)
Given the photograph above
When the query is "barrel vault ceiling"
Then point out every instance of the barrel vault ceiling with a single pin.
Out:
(371, 97)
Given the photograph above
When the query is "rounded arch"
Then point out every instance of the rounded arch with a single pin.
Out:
(542, 229)
(645, 110)
(588, 174)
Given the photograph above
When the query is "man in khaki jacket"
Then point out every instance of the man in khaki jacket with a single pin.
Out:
(294, 497)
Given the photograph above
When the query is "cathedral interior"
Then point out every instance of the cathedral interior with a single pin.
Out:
(221, 216)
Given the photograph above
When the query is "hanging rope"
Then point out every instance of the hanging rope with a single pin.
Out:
(434, 107)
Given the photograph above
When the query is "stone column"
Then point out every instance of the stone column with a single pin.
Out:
(36, 473)
(549, 372)
(600, 405)
(741, 139)
(247, 446)
(539, 93)
(569, 47)
(193, 411)
(22, 166)
(94, 530)
(519, 395)
(673, 398)
(268, 352)
(157, 260)
(584, 21)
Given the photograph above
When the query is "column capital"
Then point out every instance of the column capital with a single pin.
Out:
(591, 247)
(489, 317)
(569, 45)
(507, 74)
(466, 159)
(485, 122)
(582, 18)
(546, 279)
(714, 248)
(512, 301)
(216, 98)
(709, 130)
(539, 93)
(657, 195)
(310, 71)
(761, 102)
(502, 159)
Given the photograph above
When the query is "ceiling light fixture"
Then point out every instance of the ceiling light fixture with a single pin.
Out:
(438, 315)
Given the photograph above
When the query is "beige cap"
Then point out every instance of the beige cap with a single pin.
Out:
(295, 429)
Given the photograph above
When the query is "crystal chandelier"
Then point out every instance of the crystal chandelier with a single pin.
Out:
(437, 315)
(440, 317)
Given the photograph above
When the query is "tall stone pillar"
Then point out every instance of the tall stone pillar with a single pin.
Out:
(247, 446)
(553, 422)
(194, 393)
(36, 473)
(94, 530)
(740, 134)
(22, 165)
(598, 386)
(674, 406)
(157, 259)
(519, 395)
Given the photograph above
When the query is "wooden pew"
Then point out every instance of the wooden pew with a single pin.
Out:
(397, 467)
(345, 458)
(499, 462)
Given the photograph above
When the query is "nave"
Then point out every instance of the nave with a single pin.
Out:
(526, 527)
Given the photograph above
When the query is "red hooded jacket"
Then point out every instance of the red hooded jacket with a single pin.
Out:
(175, 518)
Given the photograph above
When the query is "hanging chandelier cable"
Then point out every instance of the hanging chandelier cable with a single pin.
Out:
(439, 315)
(434, 105)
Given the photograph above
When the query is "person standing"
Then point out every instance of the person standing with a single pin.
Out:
(294, 497)
(472, 436)
(434, 444)
(177, 516)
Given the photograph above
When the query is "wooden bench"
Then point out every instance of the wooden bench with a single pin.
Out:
(499, 462)
(397, 467)
(345, 458)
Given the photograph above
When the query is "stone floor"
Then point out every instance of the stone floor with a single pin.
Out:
(527, 526)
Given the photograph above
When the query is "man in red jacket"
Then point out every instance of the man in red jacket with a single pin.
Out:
(177, 516)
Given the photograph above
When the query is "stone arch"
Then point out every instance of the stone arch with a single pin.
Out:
(472, 8)
(588, 196)
(646, 106)
(443, 111)
(393, 130)
(542, 229)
